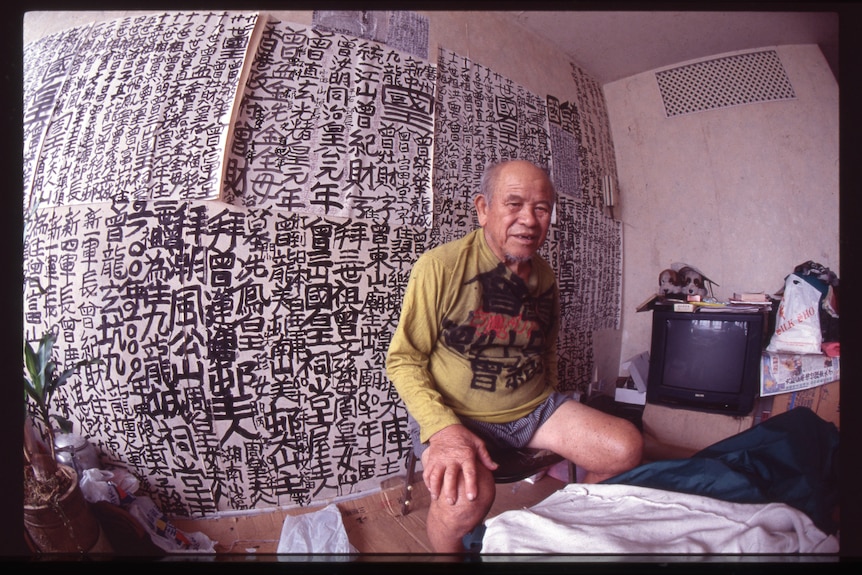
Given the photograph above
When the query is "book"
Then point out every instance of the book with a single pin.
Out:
(736, 308)
(750, 297)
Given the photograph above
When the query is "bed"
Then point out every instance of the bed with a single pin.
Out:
(772, 489)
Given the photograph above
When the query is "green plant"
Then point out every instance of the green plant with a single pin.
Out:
(42, 379)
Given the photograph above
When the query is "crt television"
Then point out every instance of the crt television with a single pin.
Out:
(706, 360)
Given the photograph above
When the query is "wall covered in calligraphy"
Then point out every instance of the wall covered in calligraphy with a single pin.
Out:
(225, 207)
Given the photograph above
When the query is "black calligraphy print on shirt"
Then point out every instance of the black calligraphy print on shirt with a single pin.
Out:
(506, 336)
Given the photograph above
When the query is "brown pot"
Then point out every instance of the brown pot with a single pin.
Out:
(67, 526)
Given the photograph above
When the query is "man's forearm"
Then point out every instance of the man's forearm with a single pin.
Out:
(424, 403)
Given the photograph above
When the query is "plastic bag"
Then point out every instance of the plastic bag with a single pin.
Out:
(827, 282)
(316, 532)
(117, 487)
(164, 533)
(98, 484)
(797, 325)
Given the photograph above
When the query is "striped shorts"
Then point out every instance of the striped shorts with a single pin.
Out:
(500, 436)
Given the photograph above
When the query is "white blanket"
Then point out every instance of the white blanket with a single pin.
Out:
(624, 519)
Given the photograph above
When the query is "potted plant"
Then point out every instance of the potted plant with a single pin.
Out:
(57, 518)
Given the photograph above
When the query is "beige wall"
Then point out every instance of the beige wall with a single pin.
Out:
(744, 193)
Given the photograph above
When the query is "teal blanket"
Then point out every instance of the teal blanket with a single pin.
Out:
(790, 458)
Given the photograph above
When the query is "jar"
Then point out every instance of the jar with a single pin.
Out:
(76, 452)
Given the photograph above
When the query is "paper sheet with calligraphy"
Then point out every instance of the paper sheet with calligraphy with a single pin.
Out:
(137, 108)
(334, 125)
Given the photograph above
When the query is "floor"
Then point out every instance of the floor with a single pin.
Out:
(374, 524)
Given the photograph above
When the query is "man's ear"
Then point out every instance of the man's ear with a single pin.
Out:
(481, 208)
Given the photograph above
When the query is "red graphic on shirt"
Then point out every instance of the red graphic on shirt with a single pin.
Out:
(505, 338)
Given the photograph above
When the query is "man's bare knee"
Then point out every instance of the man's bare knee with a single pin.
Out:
(629, 446)
(596, 441)
(466, 514)
(624, 452)
(448, 523)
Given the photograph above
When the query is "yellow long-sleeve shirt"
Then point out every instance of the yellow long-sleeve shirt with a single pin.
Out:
(474, 339)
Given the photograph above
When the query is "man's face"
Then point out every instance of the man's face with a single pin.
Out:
(517, 218)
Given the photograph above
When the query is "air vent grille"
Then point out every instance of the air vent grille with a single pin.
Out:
(724, 82)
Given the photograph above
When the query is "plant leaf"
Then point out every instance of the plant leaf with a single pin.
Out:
(45, 365)
(61, 379)
(34, 382)
(63, 424)
(51, 382)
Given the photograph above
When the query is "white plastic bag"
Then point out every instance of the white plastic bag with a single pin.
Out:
(316, 532)
(797, 325)
(98, 484)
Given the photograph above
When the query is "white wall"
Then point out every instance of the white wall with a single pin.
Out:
(743, 193)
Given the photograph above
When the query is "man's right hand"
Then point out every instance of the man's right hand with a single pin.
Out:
(450, 461)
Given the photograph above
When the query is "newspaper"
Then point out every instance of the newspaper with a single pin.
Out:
(784, 372)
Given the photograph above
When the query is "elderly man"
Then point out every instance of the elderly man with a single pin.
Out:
(474, 358)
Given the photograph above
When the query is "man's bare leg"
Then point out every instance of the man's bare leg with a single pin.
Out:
(447, 523)
(602, 444)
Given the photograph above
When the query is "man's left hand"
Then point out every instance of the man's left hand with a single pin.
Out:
(451, 458)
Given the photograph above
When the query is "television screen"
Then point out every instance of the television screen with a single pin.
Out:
(718, 346)
(705, 361)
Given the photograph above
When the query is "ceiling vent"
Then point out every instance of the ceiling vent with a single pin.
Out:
(724, 82)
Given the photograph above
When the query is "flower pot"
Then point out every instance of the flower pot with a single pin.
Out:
(66, 525)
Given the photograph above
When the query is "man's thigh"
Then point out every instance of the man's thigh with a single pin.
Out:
(586, 436)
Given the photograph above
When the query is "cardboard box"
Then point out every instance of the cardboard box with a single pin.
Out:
(633, 396)
(822, 400)
(638, 368)
(689, 429)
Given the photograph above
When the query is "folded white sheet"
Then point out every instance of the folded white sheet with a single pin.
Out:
(625, 519)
